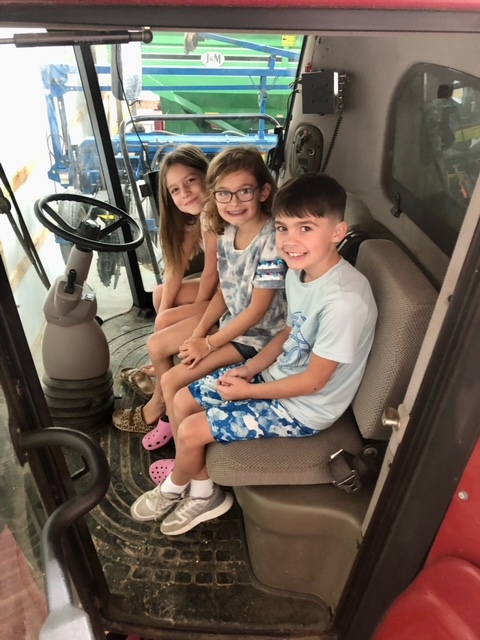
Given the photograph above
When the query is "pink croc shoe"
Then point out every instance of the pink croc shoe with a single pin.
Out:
(160, 470)
(156, 438)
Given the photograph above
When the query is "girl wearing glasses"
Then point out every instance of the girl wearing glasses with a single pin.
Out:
(249, 306)
(250, 303)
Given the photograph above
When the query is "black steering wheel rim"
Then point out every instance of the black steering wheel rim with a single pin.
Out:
(65, 231)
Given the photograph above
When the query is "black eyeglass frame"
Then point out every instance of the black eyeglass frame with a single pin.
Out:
(235, 193)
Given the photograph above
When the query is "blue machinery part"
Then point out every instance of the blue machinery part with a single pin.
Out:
(79, 167)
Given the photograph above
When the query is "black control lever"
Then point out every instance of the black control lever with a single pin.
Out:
(71, 279)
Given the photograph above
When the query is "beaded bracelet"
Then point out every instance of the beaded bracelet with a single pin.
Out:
(211, 348)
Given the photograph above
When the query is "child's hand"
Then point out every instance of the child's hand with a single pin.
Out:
(233, 388)
(239, 372)
(193, 351)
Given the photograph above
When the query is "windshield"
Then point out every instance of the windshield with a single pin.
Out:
(207, 89)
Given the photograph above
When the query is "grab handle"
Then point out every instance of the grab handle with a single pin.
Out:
(64, 619)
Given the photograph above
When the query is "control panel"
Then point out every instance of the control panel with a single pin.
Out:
(307, 151)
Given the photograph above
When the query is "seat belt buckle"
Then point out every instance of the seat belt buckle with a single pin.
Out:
(345, 476)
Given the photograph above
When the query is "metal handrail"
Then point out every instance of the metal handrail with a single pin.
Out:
(64, 619)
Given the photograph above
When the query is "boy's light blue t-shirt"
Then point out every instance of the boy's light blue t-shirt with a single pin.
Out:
(240, 270)
(333, 317)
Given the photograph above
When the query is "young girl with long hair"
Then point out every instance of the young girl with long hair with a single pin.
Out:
(249, 306)
(183, 234)
(183, 195)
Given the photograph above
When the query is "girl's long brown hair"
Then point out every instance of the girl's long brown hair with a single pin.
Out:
(173, 221)
(230, 161)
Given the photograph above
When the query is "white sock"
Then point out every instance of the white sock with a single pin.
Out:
(168, 486)
(201, 488)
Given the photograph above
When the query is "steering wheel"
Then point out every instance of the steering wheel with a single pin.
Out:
(93, 232)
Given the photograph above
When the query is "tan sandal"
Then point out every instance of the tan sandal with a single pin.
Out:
(131, 420)
(138, 381)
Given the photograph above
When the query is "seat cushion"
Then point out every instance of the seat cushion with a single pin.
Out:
(282, 460)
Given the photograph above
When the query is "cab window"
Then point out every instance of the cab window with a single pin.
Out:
(434, 150)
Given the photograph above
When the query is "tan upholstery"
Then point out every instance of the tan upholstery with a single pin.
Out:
(357, 214)
(405, 300)
(361, 226)
(359, 218)
(282, 460)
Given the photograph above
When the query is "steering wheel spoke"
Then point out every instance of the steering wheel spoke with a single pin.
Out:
(89, 210)
(58, 218)
(110, 228)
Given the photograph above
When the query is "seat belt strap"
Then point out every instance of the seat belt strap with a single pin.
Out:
(350, 472)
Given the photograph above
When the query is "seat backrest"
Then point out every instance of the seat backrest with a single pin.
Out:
(361, 226)
(405, 300)
(357, 214)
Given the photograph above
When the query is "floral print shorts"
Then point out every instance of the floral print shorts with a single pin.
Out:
(244, 419)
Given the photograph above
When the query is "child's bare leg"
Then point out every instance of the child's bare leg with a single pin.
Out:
(181, 375)
(177, 314)
(157, 296)
(185, 405)
(192, 437)
(186, 295)
(162, 346)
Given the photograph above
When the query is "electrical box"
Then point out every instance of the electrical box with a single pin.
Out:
(323, 92)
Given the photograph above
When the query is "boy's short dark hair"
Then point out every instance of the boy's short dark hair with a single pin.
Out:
(314, 194)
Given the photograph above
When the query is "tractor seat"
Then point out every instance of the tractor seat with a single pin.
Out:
(405, 300)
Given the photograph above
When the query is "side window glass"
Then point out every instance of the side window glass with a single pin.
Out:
(434, 150)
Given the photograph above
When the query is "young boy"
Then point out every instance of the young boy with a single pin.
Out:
(300, 383)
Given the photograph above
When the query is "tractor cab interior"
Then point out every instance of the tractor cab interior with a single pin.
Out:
(318, 543)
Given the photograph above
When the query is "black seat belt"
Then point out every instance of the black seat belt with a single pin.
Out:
(351, 472)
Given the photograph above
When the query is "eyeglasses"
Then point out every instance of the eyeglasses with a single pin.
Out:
(244, 195)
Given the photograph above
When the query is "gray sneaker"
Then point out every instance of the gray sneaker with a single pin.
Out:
(192, 511)
(154, 504)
